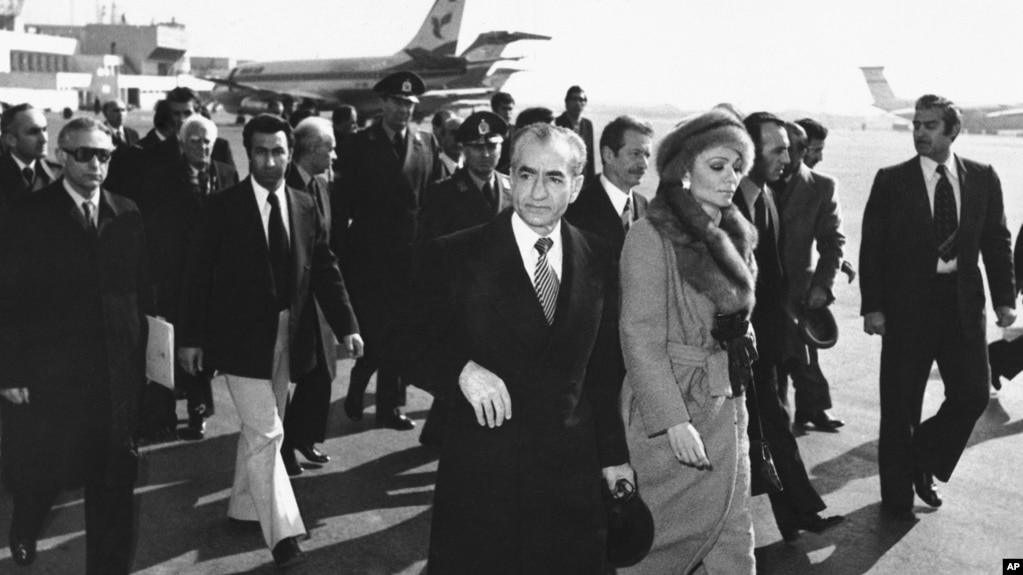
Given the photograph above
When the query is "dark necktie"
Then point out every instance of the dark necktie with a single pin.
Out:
(946, 221)
(544, 281)
(399, 146)
(627, 214)
(760, 214)
(280, 253)
(29, 174)
(90, 215)
(488, 194)
(204, 182)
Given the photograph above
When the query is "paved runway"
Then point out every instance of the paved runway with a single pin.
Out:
(368, 510)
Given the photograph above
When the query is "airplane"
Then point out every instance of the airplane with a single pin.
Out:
(252, 88)
(976, 118)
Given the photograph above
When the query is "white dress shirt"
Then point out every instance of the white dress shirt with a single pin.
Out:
(618, 197)
(526, 238)
(263, 203)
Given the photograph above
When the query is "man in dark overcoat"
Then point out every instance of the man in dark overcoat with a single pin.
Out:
(23, 167)
(385, 171)
(72, 351)
(172, 201)
(522, 313)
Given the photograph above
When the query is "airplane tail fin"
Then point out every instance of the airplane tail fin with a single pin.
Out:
(884, 97)
(439, 32)
(489, 46)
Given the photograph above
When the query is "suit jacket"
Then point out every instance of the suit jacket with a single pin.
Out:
(229, 307)
(172, 207)
(593, 212)
(73, 334)
(809, 212)
(768, 316)
(586, 133)
(318, 189)
(456, 204)
(898, 255)
(534, 481)
(131, 137)
(381, 195)
(13, 186)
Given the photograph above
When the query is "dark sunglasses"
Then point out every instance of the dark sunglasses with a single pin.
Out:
(85, 155)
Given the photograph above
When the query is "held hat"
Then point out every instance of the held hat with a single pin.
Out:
(482, 128)
(630, 525)
(818, 328)
(402, 85)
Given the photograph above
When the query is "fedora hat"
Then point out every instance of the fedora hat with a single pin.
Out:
(818, 328)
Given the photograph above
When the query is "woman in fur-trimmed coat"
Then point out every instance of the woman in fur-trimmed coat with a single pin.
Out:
(688, 278)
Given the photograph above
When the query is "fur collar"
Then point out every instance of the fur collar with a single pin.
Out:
(717, 260)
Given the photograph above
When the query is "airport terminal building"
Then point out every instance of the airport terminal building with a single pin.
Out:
(57, 67)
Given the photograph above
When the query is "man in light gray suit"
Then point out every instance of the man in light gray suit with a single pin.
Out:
(810, 214)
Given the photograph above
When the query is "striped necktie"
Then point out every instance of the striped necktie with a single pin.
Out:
(544, 281)
(627, 214)
(946, 220)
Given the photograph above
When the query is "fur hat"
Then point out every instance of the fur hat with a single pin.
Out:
(717, 127)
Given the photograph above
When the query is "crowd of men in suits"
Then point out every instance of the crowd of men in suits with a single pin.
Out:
(409, 248)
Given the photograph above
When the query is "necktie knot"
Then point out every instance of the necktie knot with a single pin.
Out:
(542, 245)
(90, 214)
(942, 171)
(29, 174)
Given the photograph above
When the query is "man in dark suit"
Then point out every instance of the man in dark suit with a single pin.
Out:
(797, 507)
(130, 163)
(385, 172)
(172, 201)
(260, 257)
(809, 215)
(305, 420)
(521, 312)
(608, 204)
(114, 111)
(572, 118)
(472, 196)
(925, 224)
(447, 137)
(72, 351)
(24, 168)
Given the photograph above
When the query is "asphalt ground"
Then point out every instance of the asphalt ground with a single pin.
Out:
(368, 509)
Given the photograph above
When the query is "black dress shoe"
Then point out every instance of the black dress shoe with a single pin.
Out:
(820, 420)
(291, 463)
(196, 429)
(923, 483)
(313, 455)
(353, 407)
(395, 420)
(23, 552)
(813, 523)
(243, 524)
(287, 554)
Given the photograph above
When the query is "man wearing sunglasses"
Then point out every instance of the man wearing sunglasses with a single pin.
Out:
(72, 295)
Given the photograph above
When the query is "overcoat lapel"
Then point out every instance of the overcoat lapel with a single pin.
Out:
(252, 224)
(971, 205)
(918, 193)
(499, 272)
(578, 294)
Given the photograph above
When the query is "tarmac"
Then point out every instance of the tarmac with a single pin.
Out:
(368, 510)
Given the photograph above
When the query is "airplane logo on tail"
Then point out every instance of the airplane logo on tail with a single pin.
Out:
(439, 24)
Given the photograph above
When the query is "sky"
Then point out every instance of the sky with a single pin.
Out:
(777, 55)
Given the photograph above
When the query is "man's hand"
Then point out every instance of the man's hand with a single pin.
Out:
(687, 446)
(873, 323)
(849, 270)
(617, 472)
(190, 359)
(1006, 315)
(486, 393)
(15, 395)
(817, 297)
(354, 345)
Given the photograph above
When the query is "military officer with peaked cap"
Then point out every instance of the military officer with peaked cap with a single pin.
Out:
(473, 195)
(380, 185)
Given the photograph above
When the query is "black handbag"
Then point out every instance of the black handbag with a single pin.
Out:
(630, 525)
(763, 474)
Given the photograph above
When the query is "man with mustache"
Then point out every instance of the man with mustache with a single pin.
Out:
(925, 224)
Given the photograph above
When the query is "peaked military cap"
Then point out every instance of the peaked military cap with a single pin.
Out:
(482, 128)
(404, 85)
